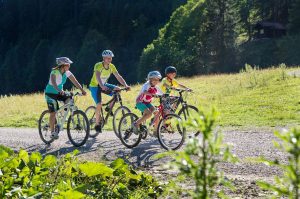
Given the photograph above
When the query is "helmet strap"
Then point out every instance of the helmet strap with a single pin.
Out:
(169, 79)
(103, 63)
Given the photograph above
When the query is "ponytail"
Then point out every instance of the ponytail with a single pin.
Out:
(57, 67)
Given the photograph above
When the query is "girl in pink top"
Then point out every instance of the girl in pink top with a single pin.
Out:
(144, 99)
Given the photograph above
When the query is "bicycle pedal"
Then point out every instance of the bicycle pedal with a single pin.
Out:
(144, 135)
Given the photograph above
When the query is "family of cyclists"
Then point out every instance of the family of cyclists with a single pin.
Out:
(102, 71)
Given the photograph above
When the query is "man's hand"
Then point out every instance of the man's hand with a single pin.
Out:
(83, 92)
(128, 88)
(104, 88)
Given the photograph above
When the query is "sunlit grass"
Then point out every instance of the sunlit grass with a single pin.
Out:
(252, 98)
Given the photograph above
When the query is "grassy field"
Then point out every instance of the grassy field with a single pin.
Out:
(252, 98)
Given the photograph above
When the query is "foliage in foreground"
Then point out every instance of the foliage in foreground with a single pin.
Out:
(287, 185)
(199, 159)
(26, 175)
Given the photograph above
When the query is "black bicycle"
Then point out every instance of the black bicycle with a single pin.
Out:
(186, 110)
(109, 106)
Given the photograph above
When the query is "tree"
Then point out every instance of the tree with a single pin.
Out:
(294, 25)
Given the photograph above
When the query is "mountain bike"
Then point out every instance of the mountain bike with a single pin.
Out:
(78, 128)
(170, 130)
(186, 110)
(117, 114)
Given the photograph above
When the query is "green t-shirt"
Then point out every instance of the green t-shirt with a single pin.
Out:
(104, 73)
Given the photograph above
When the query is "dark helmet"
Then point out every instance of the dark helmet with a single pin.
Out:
(170, 69)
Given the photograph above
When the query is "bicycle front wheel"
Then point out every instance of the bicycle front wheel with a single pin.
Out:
(187, 112)
(128, 137)
(78, 128)
(44, 127)
(119, 113)
(171, 132)
(90, 113)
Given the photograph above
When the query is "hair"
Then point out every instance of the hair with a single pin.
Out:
(57, 67)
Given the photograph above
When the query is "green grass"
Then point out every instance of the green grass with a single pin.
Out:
(253, 98)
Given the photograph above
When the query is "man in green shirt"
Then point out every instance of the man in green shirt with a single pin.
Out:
(98, 85)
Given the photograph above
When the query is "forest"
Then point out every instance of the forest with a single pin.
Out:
(196, 36)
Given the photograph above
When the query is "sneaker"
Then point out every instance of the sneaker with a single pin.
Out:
(127, 134)
(54, 135)
(144, 131)
(135, 129)
(98, 128)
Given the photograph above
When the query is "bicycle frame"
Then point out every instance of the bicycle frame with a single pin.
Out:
(180, 100)
(116, 98)
(160, 114)
(63, 112)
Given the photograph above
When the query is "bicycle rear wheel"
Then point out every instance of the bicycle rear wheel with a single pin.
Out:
(90, 113)
(118, 114)
(126, 134)
(171, 133)
(78, 128)
(44, 127)
(189, 112)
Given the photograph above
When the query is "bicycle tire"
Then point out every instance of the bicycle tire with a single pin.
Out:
(123, 110)
(128, 130)
(90, 113)
(40, 127)
(161, 132)
(85, 127)
(182, 114)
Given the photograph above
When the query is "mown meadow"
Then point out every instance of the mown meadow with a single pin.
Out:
(251, 98)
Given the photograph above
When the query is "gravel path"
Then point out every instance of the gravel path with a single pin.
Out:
(107, 147)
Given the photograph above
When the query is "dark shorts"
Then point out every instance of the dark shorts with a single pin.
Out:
(96, 92)
(52, 101)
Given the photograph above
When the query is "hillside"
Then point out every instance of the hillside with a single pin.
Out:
(253, 98)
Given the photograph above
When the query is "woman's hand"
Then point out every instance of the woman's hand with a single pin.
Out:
(62, 92)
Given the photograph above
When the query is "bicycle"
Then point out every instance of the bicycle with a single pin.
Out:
(120, 111)
(170, 130)
(76, 122)
(186, 110)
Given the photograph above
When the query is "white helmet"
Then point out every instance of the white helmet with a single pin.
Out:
(154, 74)
(63, 60)
(107, 53)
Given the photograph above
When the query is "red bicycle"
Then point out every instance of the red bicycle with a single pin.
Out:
(170, 130)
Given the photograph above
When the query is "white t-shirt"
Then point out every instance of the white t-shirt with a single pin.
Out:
(144, 98)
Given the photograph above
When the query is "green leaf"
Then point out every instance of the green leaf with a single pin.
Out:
(36, 157)
(49, 161)
(118, 163)
(93, 169)
(24, 155)
(25, 172)
(71, 194)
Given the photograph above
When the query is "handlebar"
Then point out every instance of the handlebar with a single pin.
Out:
(182, 90)
(122, 89)
(161, 96)
(71, 94)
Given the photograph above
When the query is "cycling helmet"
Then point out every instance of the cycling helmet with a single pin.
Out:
(107, 53)
(63, 60)
(170, 69)
(154, 74)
